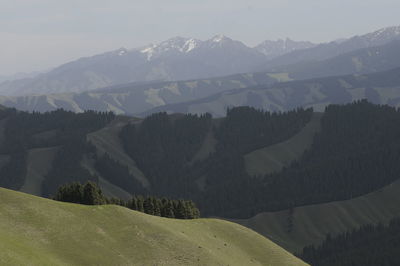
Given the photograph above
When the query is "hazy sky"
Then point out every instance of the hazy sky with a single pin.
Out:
(39, 34)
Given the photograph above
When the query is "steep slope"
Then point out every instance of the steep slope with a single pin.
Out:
(137, 98)
(38, 231)
(382, 88)
(296, 228)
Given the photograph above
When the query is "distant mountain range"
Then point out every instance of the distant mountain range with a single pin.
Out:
(185, 59)
(361, 61)
(186, 96)
(175, 59)
(335, 48)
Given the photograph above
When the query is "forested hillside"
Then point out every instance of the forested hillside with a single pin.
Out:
(202, 159)
(369, 245)
(163, 147)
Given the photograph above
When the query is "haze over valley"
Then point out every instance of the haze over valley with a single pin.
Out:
(267, 136)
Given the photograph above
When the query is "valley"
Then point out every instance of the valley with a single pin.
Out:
(211, 151)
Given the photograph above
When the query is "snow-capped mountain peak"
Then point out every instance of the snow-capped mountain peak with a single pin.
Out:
(190, 45)
(173, 45)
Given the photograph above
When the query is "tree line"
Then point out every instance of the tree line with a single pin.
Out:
(91, 194)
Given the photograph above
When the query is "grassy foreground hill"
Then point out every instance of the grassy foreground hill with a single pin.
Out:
(38, 231)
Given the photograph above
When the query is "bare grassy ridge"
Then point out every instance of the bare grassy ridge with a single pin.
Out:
(274, 158)
(312, 223)
(37, 231)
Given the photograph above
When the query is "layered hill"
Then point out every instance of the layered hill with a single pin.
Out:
(295, 169)
(136, 98)
(380, 88)
(38, 231)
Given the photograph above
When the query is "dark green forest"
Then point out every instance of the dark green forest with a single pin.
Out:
(355, 152)
(370, 245)
(163, 147)
(91, 194)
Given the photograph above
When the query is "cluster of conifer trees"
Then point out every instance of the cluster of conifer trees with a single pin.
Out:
(370, 245)
(91, 194)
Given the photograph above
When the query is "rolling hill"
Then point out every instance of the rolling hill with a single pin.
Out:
(37, 231)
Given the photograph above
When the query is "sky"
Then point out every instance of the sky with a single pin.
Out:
(36, 35)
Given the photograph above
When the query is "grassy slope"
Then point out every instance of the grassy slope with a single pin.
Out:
(37, 231)
(275, 157)
(313, 223)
